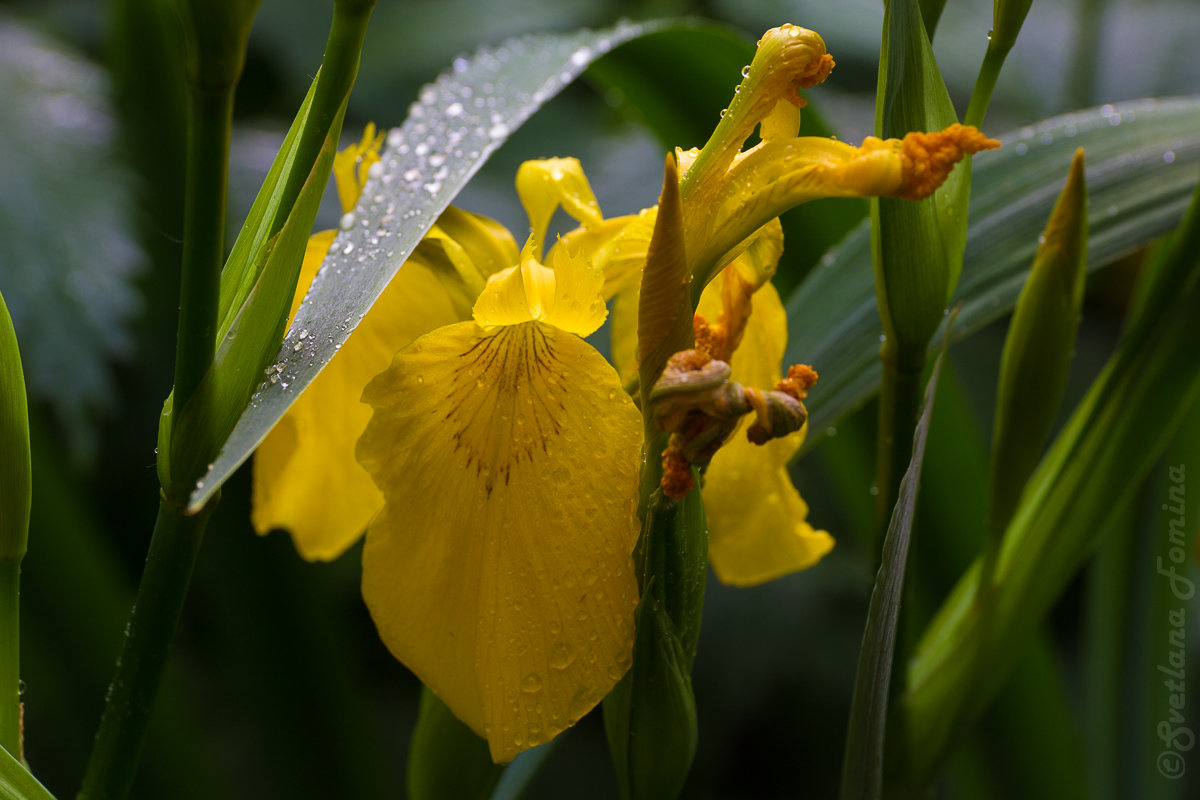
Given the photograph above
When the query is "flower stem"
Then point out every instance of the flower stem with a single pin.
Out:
(210, 120)
(338, 71)
(10, 661)
(985, 84)
(899, 402)
(152, 622)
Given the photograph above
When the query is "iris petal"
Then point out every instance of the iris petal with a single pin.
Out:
(500, 570)
(757, 523)
(306, 479)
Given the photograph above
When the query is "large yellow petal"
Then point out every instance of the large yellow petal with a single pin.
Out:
(500, 570)
(306, 479)
(757, 521)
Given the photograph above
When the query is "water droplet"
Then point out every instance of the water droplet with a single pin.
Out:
(304, 333)
(395, 138)
(1047, 138)
(874, 490)
(562, 655)
(746, 71)
(1169, 157)
(375, 170)
(498, 131)
(989, 36)
(347, 221)
(724, 111)
(348, 249)
(532, 684)
(1022, 148)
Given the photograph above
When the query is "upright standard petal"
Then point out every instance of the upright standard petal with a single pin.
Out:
(500, 570)
(757, 521)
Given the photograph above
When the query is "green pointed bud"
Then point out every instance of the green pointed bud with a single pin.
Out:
(650, 717)
(1037, 352)
(215, 34)
(15, 498)
(15, 485)
(1007, 18)
(447, 758)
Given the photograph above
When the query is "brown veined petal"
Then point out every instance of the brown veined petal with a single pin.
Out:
(306, 479)
(757, 521)
(500, 570)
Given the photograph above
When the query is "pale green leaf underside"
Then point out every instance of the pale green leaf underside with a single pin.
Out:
(16, 783)
(1142, 159)
(456, 123)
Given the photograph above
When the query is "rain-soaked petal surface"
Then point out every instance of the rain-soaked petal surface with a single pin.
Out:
(500, 570)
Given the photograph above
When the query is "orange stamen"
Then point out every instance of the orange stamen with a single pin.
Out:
(927, 158)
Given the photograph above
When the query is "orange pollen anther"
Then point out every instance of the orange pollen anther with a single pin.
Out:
(818, 72)
(927, 158)
(706, 337)
(799, 380)
(677, 478)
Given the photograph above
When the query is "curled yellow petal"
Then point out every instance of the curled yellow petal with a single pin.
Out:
(546, 184)
(788, 58)
(500, 570)
(350, 166)
(757, 521)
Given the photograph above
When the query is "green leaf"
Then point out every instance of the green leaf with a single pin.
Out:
(1142, 159)
(862, 766)
(1037, 351)
(242, 268)
(455, 125)
(446, 758)
(16, 783)
(16, 488)
(1091, 473)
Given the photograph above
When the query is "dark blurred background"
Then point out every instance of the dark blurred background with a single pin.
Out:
(278, 685)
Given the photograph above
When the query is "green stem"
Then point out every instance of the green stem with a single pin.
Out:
(985, 84)
(152, 622)
(10, 661)
(899, 402)
(209, 124)
(338, 70)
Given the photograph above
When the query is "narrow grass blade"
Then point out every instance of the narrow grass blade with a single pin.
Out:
(862, 767)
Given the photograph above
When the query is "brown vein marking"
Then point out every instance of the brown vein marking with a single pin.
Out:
(511, 371)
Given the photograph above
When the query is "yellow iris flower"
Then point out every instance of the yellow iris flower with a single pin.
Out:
(497, 453)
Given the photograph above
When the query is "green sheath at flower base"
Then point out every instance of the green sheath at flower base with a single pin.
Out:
(215, 33)
(1037, 352)
(15, 498)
